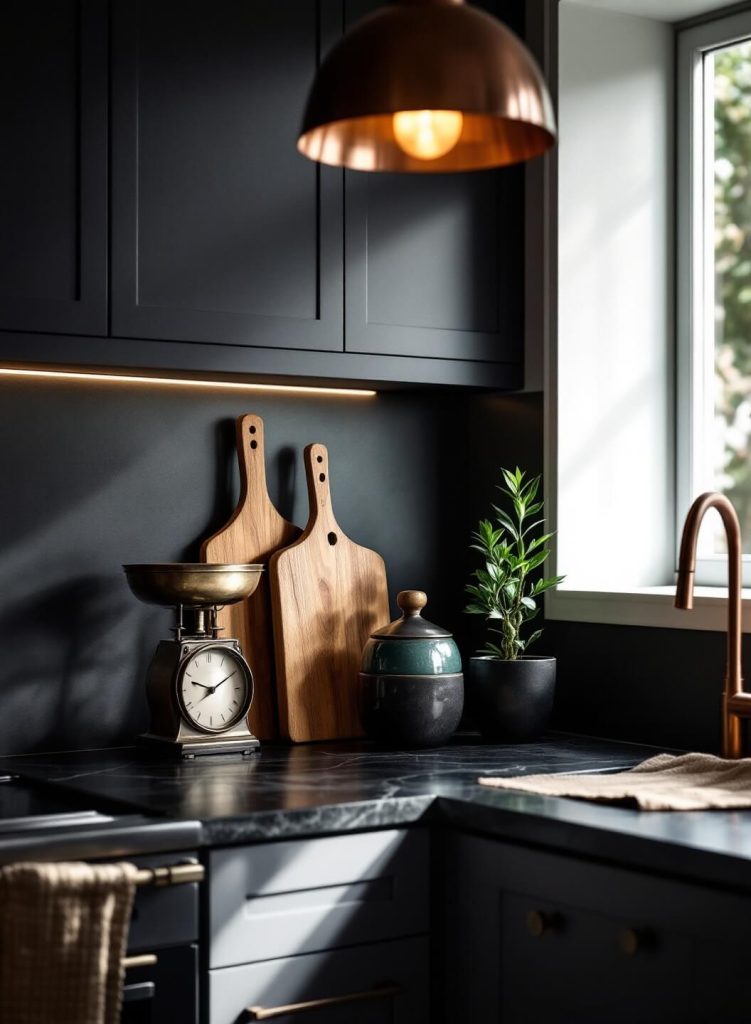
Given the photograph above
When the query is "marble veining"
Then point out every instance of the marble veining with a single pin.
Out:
(312, 788)
(287, 792)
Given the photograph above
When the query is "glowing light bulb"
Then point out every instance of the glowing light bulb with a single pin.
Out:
(427, 134)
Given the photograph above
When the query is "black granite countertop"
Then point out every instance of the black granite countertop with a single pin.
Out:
(331, 788)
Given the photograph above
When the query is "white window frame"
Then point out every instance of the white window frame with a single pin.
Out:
(627, 604)
(695, 271)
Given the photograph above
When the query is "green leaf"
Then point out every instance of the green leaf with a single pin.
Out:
(493, 651)
(513, 480)
(542, 539)
(537, 559)
(542, 585)
(506, 521)
(532, 526)
(530, 491)
(535, 636)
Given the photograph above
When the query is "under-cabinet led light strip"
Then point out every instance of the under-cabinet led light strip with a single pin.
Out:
(184, 382)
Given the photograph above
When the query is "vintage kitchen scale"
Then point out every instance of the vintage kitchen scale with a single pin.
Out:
(199, 685)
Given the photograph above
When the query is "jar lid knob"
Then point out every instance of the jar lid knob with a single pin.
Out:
(411, 625)
(411, 602)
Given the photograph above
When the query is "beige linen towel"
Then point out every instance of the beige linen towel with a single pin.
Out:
(689, 782)
(63, 934)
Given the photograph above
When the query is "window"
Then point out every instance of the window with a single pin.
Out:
(614, 446)
(714, 277)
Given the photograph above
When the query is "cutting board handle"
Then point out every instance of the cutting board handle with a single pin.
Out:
(252, 457)
(319, 491)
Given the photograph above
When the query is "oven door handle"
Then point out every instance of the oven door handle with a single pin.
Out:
(139, 960)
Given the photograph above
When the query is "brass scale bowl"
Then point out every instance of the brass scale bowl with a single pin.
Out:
(201, 587)
(192, 584)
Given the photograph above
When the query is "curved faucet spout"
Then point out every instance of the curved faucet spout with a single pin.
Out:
(735, 703)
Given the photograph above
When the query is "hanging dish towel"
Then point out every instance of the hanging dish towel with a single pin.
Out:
(63, 934)
(688, 782)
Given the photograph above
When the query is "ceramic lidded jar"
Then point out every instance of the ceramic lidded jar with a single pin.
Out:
(411, 683)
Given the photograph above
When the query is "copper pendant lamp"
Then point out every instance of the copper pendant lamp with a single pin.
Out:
(427, 85)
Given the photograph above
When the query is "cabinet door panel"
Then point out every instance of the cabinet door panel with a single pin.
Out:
(434, 262)
(607, 943)
(588, 978)
(53, 175)
(222, 231)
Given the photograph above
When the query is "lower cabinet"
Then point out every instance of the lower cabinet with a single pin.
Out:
(332, 929)
(347, 929)
(382, 983)
(532, 936)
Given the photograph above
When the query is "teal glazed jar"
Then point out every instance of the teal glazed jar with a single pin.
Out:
(411, 683)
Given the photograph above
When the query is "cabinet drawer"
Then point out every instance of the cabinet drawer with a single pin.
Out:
(283, 899)
(385, 983)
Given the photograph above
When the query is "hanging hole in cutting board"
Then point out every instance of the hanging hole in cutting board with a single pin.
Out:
(321, 477)
(254, 444)
(332, 539)
(319, 458)
(251, 430)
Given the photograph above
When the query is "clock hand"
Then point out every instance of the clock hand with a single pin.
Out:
(210, 692)
(224, 680)
(194, 683)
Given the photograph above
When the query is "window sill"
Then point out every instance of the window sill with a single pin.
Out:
(645, 606)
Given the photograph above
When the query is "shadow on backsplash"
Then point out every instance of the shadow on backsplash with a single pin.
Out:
(98, 475)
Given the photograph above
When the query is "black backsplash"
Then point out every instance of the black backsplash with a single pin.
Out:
(95, 475)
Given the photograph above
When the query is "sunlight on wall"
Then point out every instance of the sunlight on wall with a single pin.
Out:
(615, 476)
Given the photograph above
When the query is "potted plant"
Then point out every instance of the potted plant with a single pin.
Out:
(509, 692)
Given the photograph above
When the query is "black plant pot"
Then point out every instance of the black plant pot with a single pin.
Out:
(510, 701)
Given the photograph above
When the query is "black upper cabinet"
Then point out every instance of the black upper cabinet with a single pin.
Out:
(433, 261)
(221, 231)
(53, 174)
(223, 249)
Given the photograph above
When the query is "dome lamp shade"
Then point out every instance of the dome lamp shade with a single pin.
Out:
(427, 86)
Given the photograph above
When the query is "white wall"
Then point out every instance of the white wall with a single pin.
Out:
(615, 326)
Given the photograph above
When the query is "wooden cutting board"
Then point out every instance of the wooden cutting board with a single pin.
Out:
(255, 531)
(328, 594)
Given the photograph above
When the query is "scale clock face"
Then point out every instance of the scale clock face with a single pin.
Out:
(214, 688)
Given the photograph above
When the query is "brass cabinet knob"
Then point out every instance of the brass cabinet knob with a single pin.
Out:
(540, 922)
(634, 940)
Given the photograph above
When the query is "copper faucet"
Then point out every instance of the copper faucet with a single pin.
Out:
(736, 704)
